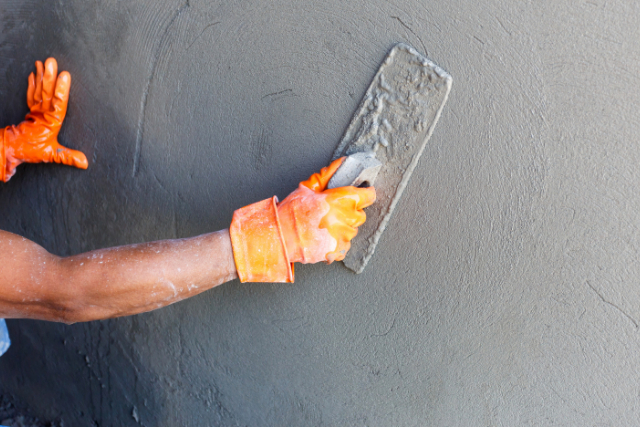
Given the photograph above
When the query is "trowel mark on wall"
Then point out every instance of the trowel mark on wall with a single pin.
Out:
(635, 323)
(202, 32)
(260, 148)
(279, 95)
(424, 48)
(147, 89)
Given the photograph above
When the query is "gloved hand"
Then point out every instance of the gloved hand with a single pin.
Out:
(36, 139)
(312, 224)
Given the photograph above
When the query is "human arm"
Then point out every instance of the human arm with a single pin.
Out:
(312, 224)
(109, 282)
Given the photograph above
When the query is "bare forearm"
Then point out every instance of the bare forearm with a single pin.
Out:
(117, 281)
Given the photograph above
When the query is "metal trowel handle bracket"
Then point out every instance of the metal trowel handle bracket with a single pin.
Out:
(358, 170)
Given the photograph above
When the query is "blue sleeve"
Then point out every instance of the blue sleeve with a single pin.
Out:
(5, 342)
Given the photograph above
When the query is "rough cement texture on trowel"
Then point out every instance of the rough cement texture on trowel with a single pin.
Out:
(395, 120)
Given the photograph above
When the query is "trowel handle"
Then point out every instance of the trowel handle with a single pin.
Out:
(358, 170)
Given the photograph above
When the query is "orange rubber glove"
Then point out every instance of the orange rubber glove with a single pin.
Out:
(36, 139)
(312, 224)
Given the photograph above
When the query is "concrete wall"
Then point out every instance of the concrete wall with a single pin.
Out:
(505, 291)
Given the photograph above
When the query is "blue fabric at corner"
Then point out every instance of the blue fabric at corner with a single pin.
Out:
(5, 342)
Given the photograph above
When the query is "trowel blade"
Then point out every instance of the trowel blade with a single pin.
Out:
(395, 120)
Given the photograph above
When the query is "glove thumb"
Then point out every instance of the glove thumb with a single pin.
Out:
(318, 181)
(69, 157)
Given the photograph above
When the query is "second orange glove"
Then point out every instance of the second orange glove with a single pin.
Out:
(35, 140)
(312, 224)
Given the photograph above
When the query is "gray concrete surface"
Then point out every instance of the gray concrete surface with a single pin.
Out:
(505, 291)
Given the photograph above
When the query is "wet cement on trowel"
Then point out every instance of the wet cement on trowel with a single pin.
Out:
(500, 293)
(393, 124)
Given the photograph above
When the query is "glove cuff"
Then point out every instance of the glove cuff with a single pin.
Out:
(258, 246)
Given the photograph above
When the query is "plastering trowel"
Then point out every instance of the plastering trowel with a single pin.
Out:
(386, 137)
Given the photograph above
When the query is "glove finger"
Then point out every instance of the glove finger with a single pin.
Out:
(49, 82)
(318, 181)
(31, 90)
(70, 157)
(343, 235)
(37, 95)
(360, 198)
(366, 196)
(61, 95)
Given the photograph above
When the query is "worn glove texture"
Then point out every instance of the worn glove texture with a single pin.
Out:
(312, 224)
(35, 140)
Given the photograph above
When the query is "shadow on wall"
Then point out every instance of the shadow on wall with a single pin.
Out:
(51, 364)
(96, 365)
(86, 355)
(14, 413)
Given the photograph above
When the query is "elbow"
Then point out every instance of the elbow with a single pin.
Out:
(66, 320)
(67, 314)
(76, 312)
(67, 304)
(78, 315)
(69, 318)
(68, 295)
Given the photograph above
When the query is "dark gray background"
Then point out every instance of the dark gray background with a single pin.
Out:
(505, 290)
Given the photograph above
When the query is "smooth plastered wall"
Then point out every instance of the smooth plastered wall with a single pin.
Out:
(505, 290)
